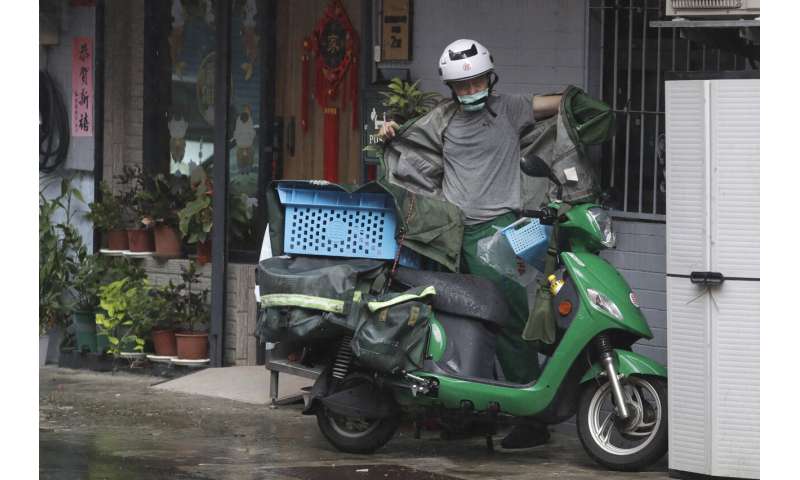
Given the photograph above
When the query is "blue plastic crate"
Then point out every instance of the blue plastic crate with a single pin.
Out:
(338, 224)
(528, 238)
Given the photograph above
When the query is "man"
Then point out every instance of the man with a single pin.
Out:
(481, 176)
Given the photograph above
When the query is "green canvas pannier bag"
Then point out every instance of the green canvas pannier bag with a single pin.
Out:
(392, 334)
(280, 324)
(309, 298)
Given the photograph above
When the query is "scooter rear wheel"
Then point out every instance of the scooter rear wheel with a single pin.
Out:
(356, 434)
(631, 444)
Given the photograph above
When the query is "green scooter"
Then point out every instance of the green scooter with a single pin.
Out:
(618, 397)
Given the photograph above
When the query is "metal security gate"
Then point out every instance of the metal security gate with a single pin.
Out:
(628, 62)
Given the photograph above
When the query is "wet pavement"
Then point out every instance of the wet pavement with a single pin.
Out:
(104, 426)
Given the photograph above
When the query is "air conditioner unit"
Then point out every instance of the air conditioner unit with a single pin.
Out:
(712, 8)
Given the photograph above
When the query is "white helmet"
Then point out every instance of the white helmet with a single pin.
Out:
(464, 59)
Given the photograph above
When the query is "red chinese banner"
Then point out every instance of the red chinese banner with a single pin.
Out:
(82, 87)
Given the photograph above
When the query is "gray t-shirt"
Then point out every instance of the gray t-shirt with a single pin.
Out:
(481, 158)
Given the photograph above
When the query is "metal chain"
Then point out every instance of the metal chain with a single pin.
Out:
(400, 242)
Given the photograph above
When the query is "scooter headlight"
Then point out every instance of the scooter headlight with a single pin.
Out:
(603, 303)
(601, 220)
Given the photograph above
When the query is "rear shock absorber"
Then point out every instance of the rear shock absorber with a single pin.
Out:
(341, 366)
(606, 352)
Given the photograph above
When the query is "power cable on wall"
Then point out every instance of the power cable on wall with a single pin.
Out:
(53, 125)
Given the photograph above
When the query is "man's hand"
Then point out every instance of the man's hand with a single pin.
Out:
(544, 107)
(387, 131)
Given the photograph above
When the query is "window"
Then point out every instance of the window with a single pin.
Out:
(181, 99)
(629, 61)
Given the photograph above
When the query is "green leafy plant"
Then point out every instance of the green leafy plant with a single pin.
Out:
(405, 101)
(92, 272)
(196, 218)
(127, 309)
(108, 213)
(171, 315)
(162, 197)
(193, 307)
(134, 203)
(117, 268)
(84, 286)
(59, 245)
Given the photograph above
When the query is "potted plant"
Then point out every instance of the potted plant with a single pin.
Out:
(84, 288)
(107, 216)
(113, 269)
(196, 220)
(405, 101)
(140, 238)
(127, 307)
(161, 199)
(168, 316)
(194, 314)
(58, 245)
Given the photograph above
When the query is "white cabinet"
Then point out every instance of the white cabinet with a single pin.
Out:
(712, 133)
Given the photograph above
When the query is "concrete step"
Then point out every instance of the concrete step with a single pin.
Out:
(243, 384)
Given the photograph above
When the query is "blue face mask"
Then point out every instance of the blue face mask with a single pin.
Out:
(474, 102)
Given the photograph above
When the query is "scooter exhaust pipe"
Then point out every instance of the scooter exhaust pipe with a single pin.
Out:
(607, 359)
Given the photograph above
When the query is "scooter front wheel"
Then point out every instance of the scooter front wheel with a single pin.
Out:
(629, 444)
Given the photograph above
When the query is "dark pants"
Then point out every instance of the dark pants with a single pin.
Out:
(518, 358)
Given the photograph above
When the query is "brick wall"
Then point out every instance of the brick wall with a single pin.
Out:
(122, 141)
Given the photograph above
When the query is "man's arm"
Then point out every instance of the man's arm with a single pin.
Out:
(545, 106)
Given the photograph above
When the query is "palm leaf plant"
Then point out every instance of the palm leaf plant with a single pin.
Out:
(405, 101)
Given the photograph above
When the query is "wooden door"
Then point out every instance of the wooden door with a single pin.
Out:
(296, 20)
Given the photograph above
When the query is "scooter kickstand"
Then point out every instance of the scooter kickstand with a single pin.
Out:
(489, 443)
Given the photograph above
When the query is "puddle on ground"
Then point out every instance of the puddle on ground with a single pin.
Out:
(117, 456)
(360, 472)
(72, 455)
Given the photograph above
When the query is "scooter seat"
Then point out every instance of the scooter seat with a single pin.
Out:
(460, 294)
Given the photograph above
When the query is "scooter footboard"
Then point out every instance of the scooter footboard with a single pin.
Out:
(628, 363)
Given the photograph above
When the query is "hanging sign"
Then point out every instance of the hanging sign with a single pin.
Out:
(334, 43)
(396, 30)
(82, 87)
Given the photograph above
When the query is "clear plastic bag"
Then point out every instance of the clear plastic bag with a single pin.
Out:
(496, 252)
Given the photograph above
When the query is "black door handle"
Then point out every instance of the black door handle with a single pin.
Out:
(709, 279)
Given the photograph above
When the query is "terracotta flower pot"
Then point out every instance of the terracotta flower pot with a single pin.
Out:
(164, 342)
(204, 252)
(117, 240)
(192, 346)
(168, 241)
(140, 240)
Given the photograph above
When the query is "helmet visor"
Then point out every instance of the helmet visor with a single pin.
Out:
(460, 55)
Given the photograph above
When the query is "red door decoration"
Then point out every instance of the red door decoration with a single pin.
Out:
(334, 45)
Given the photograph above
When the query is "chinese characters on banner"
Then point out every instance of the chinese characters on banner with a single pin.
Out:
(82, 87)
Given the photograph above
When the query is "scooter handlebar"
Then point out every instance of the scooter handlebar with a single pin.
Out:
(546, 216)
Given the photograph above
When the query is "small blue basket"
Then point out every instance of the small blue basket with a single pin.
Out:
(528, 238)
(338, 224)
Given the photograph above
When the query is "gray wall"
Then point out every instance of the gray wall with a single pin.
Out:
(640, 258)
(537, 45)
(79, 165)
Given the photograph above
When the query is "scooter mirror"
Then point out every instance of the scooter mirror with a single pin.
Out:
(533, 166)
